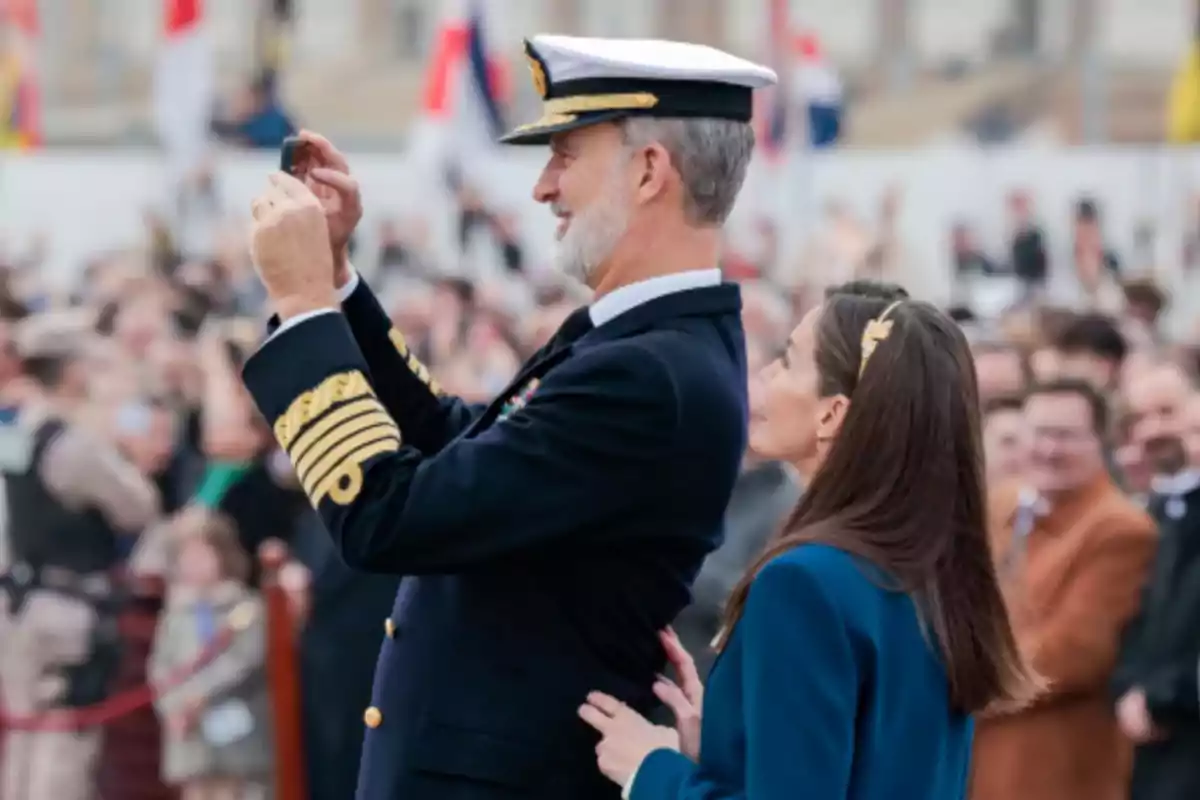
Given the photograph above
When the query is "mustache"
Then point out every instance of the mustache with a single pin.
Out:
(1165, 442)
(1167, 452)
(558, 210)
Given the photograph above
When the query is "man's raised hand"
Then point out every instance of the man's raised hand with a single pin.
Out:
(289, 242)
(327, 173)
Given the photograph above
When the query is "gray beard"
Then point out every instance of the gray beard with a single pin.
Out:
(570, 262)
(591, 241)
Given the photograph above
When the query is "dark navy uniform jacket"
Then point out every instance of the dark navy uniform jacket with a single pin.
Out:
(545, 537)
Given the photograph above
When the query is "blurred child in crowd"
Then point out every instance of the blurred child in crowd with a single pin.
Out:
(217, 741)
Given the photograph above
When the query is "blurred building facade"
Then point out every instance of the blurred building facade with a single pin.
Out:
(356, 65)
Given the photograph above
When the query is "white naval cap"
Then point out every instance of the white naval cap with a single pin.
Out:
(583, 81)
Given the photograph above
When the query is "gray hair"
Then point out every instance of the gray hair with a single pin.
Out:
(711, 156)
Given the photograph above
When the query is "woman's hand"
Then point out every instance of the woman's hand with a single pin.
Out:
(686, 699)
(626, 737)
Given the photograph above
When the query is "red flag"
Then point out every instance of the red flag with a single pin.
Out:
(450, 56)
(181, 15)
(183, 84)
(20, 113)
(21, 14)
(451, 45)
(771, 112)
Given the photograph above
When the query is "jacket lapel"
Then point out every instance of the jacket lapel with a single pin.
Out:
(577, 332)
(541, 362)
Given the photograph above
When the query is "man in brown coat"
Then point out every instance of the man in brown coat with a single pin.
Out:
(1073, 554)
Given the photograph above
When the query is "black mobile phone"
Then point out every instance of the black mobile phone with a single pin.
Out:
(289, 154)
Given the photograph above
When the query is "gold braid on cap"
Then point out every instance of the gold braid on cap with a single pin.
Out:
(876, 331)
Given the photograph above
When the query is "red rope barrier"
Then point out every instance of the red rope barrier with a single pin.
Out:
(77, 719)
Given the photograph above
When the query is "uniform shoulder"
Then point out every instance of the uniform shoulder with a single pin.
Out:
(630, 360)
(680, 346)
(706, 372)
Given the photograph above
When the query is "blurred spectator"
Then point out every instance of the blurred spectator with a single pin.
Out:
(11, 384)
(338, 650)
(1157, 401)
(1129, 460)
(401, 251)
(216, 724)
(765, 492)
(69, 499)
(480, 224)
(1027, 247)
(257, 118)
(964, 316)
(1073, 554)
(1145, 302)
(969, 258)
(766, 314)
(1001, 368)
(10, 307)
(251, 481)
(837, 251)
(973, 268)
(147, 432)
(1096, 266)
(1091, 348)
(1158, 705)
(887, 259)
(1005, 439)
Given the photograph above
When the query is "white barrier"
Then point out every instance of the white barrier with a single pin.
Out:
(88, 202)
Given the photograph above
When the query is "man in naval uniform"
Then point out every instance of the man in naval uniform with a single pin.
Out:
(68, 496)
(547, 536)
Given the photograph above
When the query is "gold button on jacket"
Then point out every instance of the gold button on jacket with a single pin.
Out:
(389, 628)
(373, 717)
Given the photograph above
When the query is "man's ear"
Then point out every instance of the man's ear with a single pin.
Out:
(654, 163)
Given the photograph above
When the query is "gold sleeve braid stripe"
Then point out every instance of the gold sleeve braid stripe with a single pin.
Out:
(312, 405)
(355, 416)
(343, 481)
(414, 364)
(331, 431)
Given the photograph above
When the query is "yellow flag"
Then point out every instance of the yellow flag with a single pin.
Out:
(1183, 104)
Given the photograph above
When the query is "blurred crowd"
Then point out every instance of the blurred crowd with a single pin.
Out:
(1091, 427)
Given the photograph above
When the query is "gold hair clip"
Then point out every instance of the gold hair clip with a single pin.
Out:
(876, 331)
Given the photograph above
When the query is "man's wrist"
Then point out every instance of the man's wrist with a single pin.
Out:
(343, 273)
(347, 285)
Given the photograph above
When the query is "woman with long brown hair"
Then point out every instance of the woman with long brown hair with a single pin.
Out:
(858, 647)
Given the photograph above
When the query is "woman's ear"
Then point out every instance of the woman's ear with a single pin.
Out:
(832, 413)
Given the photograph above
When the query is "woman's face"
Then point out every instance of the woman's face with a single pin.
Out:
(789, 420)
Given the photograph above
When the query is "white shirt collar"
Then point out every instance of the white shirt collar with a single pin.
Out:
(1176, 485)
(627, 297)
(1030, 500)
